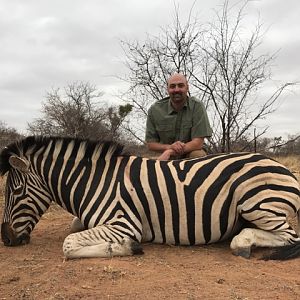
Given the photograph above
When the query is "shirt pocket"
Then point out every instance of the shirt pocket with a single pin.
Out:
(166, 133)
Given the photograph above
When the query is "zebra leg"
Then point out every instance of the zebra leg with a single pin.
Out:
(100, 241)
(241, 244)
(76, 225)
(272, 228)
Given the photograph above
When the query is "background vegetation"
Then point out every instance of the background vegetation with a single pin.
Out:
(226, 70)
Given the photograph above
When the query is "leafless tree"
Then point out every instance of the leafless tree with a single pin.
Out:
(291, 146)
(7, 135)
(77, 112)
(224, 67)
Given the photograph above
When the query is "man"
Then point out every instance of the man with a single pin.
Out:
(177, 125)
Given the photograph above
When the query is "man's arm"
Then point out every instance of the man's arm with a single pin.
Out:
(177, 148)
(194, 144)
(157, 147)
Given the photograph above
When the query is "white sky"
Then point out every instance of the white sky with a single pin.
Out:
(47, 44)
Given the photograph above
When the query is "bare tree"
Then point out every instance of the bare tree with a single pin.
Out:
(77, 112)
(231, 73)
(7, 135)
(223, 65)
(291, 146)
(151, 62)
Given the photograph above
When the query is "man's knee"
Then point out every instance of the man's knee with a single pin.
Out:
(196, 153)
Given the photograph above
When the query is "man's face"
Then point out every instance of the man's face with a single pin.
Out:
(177, 89)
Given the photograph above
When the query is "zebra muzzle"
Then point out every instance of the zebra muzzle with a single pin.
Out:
(9, 237)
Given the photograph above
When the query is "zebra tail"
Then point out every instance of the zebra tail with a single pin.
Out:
(284, 253)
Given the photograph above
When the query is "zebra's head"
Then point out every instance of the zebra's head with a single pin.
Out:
(24, 204)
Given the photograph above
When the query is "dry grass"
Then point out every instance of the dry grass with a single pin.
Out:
(292, 162)
(2, 187)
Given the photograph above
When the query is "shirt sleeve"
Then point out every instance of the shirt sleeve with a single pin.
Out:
(151, 133)
(201, 126)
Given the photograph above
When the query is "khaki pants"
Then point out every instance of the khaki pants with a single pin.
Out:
(196, 153)
(193, 154)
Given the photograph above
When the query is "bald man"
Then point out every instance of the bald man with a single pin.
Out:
(177, 125)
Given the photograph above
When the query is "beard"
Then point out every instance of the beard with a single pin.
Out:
(178, 97)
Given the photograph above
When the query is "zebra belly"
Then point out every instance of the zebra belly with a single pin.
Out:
(186, 236)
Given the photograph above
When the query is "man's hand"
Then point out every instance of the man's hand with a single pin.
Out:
(178, 148)
(166, 155)
(175, 149)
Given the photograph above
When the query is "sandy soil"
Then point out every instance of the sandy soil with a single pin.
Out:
(39, 271)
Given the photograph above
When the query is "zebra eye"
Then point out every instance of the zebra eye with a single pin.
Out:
(18, 190)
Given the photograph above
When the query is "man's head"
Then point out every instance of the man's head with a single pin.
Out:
(178, 89)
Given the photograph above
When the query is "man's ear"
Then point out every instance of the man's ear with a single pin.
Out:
(19, 163)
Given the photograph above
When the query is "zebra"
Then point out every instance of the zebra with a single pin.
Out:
(120, 201)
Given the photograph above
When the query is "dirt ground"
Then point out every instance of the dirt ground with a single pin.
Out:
(39, 271)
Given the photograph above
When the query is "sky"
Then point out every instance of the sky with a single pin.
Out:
(50, 44)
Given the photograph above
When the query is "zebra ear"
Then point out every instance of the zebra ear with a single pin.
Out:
(19, 163)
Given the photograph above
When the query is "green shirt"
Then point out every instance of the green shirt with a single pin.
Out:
(165, 125)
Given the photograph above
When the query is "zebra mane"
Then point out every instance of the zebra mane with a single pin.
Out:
(34, 143)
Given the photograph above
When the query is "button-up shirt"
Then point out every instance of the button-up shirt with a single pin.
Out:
(165, 125)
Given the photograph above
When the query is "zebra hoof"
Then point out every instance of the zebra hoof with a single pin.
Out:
(76, 225)
(243, 252)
